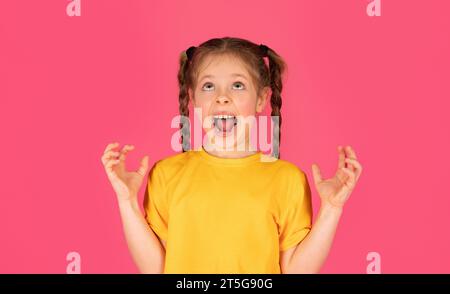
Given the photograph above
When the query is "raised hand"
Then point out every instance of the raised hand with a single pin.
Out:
(336, 190)
(125, 183)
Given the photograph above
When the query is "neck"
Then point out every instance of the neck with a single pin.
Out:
(243, 148)
(230, 153)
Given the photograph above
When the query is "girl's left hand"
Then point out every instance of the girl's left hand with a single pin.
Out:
(336, 190)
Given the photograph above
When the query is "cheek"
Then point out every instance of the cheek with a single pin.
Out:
(201, 101)
(202, 98)
(202, 107)
(247, 107)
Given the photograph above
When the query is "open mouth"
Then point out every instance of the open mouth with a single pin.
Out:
(224, 123)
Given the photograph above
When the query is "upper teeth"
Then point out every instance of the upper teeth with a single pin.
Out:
(223, 116)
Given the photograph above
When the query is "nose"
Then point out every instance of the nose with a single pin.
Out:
(222, 99)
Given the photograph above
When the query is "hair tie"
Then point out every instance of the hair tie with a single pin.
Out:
(264, 50)
(190, 52)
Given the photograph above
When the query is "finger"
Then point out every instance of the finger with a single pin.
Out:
(350, 152)
(144, 166)
(111, 154)
(110, 164)
(350, 183)
(111, 146)
(317, 175)
(341, 152)
(356, 165)
(124, 151)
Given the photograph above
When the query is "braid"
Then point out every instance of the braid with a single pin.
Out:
(183, 99)
(276, 68)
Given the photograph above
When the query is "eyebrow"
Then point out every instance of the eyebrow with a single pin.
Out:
(233, 75)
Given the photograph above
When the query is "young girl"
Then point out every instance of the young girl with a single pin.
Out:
(229, 210)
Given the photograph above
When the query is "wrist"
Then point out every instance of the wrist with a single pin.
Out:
(327, 208)
(128, 202)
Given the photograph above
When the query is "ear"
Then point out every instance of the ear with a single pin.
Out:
(262, 99)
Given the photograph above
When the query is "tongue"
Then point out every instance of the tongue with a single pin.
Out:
(225, 125)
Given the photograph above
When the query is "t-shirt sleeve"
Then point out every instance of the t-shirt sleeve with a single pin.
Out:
(155, 202)
(296, 214)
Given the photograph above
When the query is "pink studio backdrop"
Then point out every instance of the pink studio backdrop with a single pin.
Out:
(70, 85)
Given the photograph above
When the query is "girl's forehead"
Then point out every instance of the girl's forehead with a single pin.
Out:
(222, 65)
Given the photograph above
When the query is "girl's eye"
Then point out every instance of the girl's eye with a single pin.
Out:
(208, 87)
(239, 85)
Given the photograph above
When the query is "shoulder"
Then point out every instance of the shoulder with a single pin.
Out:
(173, 160)
(290, 182)
(170, 165)
(284, 169)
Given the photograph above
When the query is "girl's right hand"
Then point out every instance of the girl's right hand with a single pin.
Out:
(125, 183)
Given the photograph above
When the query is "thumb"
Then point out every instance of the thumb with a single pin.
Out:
(317, 175)
(144, 166)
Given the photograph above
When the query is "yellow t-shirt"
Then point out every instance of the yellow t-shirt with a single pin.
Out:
(220, 215)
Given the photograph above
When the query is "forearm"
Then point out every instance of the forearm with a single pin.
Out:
(311, 253)
(145, 247)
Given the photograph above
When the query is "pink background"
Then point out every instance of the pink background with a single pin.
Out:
(70, 85)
